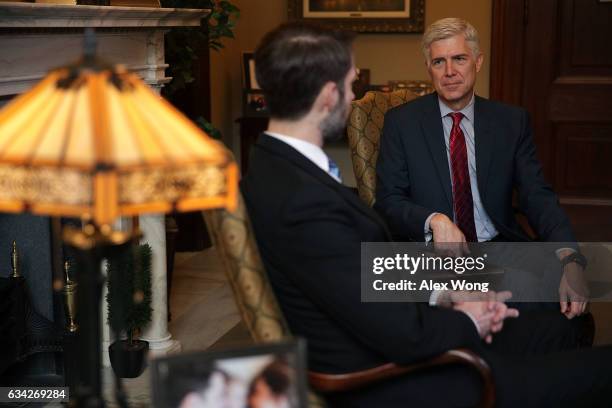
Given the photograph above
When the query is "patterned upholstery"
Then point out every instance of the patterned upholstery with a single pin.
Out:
(235, 242)
(364, 130)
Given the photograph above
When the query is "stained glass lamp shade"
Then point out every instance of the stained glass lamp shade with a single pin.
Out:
(94, 140)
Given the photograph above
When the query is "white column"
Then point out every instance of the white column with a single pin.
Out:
(160, 340)
(153, 226)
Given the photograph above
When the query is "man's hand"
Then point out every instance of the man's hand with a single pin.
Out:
(488, 310)
(573, 288)
(573, 291)
(448, 238)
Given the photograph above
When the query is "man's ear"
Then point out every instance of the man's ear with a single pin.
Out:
(479, 61)
(327, 98)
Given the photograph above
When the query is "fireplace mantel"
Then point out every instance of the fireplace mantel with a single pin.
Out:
(36, 37)
(38, 15)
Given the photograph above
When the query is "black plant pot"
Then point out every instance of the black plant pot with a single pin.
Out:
(128, 361)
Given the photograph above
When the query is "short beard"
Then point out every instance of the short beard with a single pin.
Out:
(332, 127)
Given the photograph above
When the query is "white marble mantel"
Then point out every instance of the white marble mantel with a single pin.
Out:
(39, 15)
(35, 38)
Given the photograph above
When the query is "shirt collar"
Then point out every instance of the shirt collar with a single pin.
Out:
(467, 111)
(311, 151)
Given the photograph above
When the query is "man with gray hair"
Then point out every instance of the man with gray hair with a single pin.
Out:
(449, 163)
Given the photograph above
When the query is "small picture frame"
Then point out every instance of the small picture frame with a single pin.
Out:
(254, 103)
(248, 70)
(272, 374)
(362, 83)
(416, 86)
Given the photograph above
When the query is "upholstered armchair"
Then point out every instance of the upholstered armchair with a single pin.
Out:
(235, 242)
(364, 129)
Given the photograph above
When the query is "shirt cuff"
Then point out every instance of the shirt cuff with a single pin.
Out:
(427, 228)
(433, 301)
(433, 297)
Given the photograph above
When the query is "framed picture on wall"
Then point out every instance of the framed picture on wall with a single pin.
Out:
(363, 16)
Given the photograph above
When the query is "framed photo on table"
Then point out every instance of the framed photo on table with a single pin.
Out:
(254, 102)
(255, 376)
(248, 71)
(363, 16)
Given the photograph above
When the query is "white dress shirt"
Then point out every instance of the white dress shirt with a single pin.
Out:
(312, 152)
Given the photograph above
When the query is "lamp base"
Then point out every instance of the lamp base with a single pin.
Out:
(91, 245)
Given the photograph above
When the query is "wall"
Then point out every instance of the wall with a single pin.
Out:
(256, 18)
(388, 56)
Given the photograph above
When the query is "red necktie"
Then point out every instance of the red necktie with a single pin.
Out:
(462, 189)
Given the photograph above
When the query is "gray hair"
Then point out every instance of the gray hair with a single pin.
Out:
(449, 27)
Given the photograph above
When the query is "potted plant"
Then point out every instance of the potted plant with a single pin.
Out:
(129, 308)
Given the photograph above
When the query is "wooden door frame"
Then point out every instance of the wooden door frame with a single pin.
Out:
(509, 81)
(507, 50)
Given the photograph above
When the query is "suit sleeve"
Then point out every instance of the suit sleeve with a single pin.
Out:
(393, 198)
(322, 238)
(536, 197)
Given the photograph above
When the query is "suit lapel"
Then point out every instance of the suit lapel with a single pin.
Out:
(296, 158)
(431, 125)
(484, 143)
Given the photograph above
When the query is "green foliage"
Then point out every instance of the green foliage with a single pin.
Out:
(129, 290)
(208, 127)
(182, 44)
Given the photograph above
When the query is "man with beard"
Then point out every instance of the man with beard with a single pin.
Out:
(309, 229)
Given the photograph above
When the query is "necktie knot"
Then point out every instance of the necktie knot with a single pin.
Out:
(333, 169)
(456, 116)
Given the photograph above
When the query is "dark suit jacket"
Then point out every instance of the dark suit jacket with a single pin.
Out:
(413, 177)
(309, 229)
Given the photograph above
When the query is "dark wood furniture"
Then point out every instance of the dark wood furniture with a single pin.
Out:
(326, 383)
(250, 129)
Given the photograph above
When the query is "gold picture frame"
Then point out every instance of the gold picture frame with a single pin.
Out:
(136, 3)
(362, 16)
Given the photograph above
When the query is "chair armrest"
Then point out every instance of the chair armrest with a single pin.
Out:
(326, 383)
